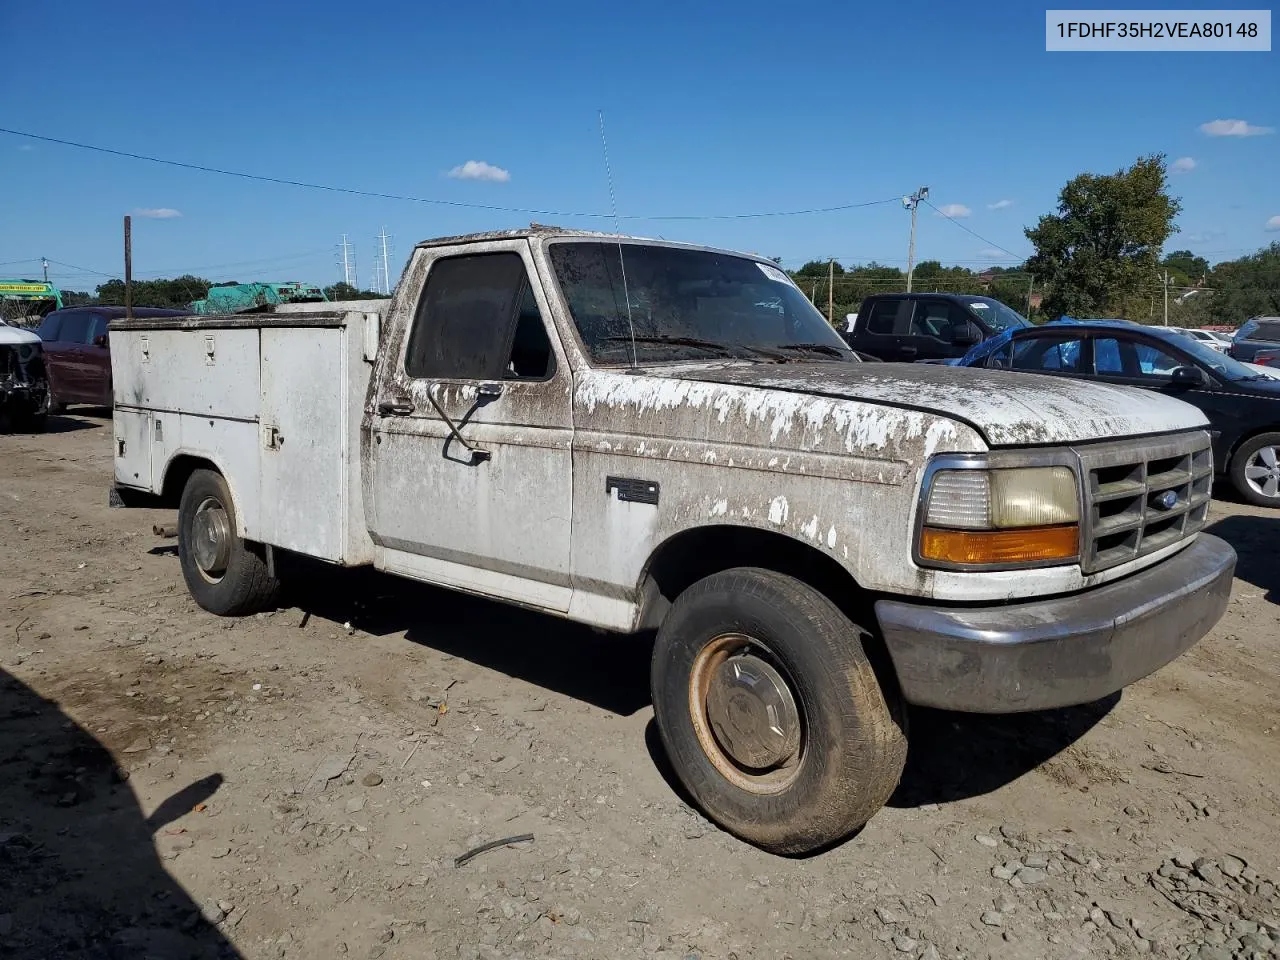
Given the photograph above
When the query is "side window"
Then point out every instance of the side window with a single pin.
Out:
(97, 328)
(883, 317)
(531, 348)
(1056, 354)
(75, 328)
(48, 329)
(933, 318)
(1127, 358)
(478, 320)
(1001, 358)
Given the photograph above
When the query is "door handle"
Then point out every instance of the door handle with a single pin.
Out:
(909, 351)
(395, 408)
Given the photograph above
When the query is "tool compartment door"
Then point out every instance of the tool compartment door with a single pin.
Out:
(303, 439)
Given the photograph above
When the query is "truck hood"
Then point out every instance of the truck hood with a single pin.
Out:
(12, 336)
(1008, 409)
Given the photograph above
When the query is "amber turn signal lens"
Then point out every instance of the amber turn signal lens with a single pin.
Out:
(1026, 545)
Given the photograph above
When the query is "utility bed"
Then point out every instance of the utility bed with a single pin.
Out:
(277, 406)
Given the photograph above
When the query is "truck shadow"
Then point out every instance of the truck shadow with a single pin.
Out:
(609, 671)
(955, 756)
(1254, 540)
(79, 874)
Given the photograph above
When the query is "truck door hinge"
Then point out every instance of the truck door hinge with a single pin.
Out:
(208, 350)
(275, 439)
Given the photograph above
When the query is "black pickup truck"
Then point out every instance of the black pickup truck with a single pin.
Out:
(927, 326)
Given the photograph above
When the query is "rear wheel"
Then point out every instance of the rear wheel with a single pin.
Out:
(771, 713)
(224, 574)
(1255, 470)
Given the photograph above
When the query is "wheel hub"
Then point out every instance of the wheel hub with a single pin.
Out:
(211, 538)
(753, 713)
(1263, 471)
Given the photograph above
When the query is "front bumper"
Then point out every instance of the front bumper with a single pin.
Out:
(1055, 653)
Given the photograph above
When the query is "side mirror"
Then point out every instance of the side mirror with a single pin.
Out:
(100, 340)
(968, 337)
(1188, 377)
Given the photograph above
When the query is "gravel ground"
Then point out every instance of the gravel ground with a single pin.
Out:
(299, 784)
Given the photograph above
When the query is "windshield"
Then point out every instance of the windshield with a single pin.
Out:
(996, 315)
(670, 304)
(1220, 363)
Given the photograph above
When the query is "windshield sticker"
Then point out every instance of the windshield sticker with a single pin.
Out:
(773, 273)
(979, 306)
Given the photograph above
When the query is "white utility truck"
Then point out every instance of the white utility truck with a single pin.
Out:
(643, 435)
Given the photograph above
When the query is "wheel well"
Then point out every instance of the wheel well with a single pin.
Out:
(686, 558)
(1242, 440)
(178, 473)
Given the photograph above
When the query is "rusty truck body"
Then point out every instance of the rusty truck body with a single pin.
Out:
(643, 435)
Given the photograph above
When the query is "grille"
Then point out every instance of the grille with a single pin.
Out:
(1129, 512)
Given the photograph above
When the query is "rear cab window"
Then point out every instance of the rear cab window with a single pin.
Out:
(882, 318)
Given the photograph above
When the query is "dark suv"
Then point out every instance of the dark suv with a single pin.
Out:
(76, 354)
(928, 326)
(1255, 334)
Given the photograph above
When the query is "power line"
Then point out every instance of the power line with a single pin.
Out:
(990, 243)
(352, 191)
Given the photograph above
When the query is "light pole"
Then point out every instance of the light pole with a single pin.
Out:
(45, 263)
(911, 203)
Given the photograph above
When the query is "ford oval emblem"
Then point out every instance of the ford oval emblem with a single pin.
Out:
(1166, 500)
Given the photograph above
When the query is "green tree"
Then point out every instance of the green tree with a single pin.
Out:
(76, 298)
(1185, 268)
(1244, 288)
(176, 293)
(1099, 253)
(345, 291)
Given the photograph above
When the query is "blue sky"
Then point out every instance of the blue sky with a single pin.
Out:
(710, 109)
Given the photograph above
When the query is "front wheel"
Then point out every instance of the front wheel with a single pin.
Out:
(224, 574)
(771, 713)
(1255, 470)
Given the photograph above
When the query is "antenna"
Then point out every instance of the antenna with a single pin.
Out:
(617, 228)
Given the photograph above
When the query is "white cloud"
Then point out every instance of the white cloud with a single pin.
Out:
(1000, 205)
(1183, 165)
(479, 170)
(954, 210)
(1273, 224)
(1233, 128)
(26, 147)
(991, 253)
(157, 213)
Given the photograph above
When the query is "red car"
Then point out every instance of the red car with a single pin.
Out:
(76, 355)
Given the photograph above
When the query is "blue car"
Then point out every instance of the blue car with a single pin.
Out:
(1242, 405)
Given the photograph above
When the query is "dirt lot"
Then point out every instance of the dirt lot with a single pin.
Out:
(298, 784)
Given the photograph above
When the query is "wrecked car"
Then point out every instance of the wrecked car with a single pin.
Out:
(24, 386)
(650, 436)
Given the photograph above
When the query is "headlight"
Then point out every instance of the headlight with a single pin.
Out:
(988, 517)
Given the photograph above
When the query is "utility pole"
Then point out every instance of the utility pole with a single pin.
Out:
(911, 203)
(128, 268)
(1031, 286)
(1166, 298)
(386, 269)
(348, 262)
(831, 290)
(44, 262)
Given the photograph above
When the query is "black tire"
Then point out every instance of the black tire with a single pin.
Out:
(238, 582)
(57, 408)
(1240, 464)
(851, 748)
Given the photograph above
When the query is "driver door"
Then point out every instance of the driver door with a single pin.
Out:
(470, 432)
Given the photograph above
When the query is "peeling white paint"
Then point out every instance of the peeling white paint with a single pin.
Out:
(831, 538)
(810, 529)
(778, 511)
(720, 508)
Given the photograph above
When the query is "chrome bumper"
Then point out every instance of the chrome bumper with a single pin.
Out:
(1055, 653)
